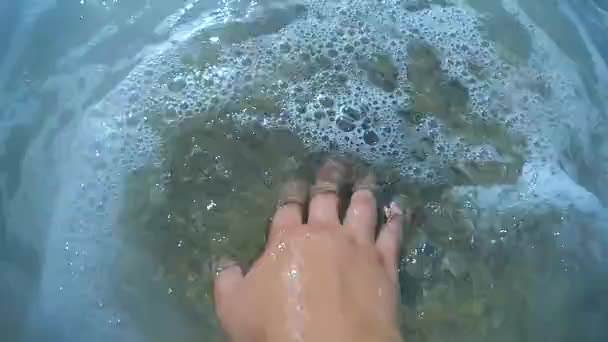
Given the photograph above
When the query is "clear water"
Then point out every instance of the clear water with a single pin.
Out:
(140, 138)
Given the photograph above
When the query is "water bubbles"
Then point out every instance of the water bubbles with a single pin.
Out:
(345, 124)
(371, 138)
(114, 320)
(326, 101)
(284, 47)
(352, 113)
(293, 274)
(218, 237)
(176, 85)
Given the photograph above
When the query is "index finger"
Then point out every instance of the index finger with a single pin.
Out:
(290, 208)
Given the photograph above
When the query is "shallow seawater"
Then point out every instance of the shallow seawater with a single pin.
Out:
(152, 137)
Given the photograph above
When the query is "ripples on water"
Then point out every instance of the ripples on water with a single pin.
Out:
(139, 138)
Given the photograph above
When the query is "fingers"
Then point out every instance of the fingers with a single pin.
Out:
(290, 211)
(229, 277)
(389, 240)
(324, 203)
(361, 216)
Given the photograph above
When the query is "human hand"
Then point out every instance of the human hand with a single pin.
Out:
(318, 279)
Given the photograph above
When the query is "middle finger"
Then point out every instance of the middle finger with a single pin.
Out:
(324, 204)
(361, 216)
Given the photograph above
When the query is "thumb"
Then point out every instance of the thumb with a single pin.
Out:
(229, 277)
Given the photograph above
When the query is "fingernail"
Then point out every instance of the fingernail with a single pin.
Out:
(332, 172)
(366, 182)
(329, 178)
(393, 211)
(220, 264)
(295, 191)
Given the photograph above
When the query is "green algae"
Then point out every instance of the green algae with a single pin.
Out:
(434, 94)
(381, 71)
(211, 195)
(484, 172)
(482, 276)
(202, 55)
